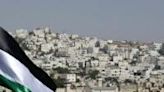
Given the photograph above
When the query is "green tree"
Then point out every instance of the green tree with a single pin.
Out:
(59, 82)
(157, 67)
(161, 51)
(61, 70)
(93, 74)
(78, 80)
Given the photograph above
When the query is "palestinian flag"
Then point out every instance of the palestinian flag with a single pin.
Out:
(17, 72)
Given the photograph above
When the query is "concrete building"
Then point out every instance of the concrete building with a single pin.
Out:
(70, 78)
(104, 89)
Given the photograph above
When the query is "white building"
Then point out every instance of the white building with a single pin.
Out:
(46, 47)
(21, 33)
(70, 78)
(39, 32)
(104, 89)
(114, 71)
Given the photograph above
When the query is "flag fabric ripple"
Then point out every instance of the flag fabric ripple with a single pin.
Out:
(17, 71)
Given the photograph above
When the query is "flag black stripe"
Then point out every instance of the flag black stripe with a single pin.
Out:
(9, 45)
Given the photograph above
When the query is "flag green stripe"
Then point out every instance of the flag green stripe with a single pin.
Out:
(14, 86)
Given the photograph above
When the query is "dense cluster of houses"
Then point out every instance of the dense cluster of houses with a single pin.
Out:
(89, 64)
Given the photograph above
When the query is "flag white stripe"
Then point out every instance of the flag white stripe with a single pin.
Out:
(17, 71)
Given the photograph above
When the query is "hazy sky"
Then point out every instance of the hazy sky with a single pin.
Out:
(110, 19)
